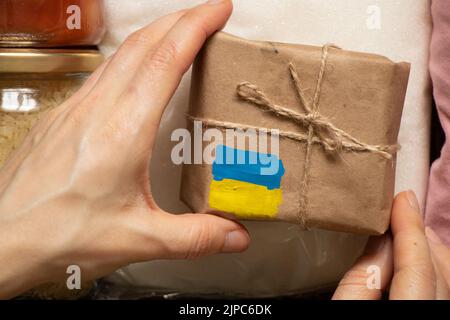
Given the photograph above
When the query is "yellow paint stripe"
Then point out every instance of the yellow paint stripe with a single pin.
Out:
(244, 200)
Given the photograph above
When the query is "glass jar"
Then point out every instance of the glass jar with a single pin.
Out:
(51, 23)
(34, 81)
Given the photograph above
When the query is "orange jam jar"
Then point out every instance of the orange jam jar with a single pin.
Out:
(51, 23)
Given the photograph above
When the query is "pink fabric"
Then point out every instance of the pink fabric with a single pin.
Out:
(438, 201)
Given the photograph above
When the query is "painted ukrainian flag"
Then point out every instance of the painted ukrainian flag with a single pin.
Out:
(246, 183)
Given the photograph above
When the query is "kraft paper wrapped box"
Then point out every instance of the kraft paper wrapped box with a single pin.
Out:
(337, 113)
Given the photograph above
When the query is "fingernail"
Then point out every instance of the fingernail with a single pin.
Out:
(375, 245)
(214, 1)
(432, 236)
(236, 241)
(413, 202)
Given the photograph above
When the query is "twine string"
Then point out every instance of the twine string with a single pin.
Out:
(320, 131)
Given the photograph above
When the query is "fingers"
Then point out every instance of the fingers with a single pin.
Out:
(153, 86)
(441, 259)
(182, 43)
(371, 273)
(88, 84)
(194, 235)
(414, 276)
(109, 81)
(130, 55)
(129, 103)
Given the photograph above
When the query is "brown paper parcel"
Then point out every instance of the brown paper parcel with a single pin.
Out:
(346, 186)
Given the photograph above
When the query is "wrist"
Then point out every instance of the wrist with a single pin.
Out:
(22, 265)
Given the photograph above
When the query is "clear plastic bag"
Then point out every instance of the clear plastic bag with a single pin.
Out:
(282, 260)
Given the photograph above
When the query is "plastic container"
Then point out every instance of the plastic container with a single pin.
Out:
(51, 23)
(33, 81)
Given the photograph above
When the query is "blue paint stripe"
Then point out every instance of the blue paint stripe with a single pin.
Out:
(248, 166)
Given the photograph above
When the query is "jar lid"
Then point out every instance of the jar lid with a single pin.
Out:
(49, 60)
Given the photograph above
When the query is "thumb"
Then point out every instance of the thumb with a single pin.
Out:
(371, 273)
(414, 276)
(189, 236)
